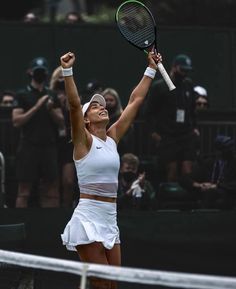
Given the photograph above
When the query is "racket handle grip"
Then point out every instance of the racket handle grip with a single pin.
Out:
(165, 76)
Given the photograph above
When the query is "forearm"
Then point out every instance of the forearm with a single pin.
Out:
(141, 90)
(57, 116)
(72, 92)
(21, 119)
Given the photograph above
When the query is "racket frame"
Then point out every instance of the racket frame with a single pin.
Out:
(160, 66)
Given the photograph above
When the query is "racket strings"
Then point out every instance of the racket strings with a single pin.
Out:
(136, 24)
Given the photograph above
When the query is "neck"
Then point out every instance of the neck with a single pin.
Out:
(99, 132)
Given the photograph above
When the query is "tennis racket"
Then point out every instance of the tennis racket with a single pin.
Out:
(137, 25)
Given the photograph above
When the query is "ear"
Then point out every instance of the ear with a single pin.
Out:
(86, 120)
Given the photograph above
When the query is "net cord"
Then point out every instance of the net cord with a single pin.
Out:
(126, 274)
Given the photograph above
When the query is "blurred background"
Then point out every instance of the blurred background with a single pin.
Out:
(205, 30)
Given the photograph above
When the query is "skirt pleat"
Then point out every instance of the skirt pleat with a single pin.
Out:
(92, 221)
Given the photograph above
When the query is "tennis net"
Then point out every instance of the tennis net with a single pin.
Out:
(79, 273)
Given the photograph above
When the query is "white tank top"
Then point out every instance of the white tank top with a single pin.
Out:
(97, 172)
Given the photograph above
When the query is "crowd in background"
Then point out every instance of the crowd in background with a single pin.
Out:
(44, 167)
(181, 171)
(168, 12)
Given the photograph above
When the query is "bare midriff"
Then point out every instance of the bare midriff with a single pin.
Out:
(97, 198)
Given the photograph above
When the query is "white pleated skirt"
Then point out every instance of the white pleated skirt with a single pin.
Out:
(92, 221)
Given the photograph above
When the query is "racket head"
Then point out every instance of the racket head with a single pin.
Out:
(137, 24)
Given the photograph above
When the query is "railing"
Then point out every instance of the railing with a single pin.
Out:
(211, 123)
(210, 129)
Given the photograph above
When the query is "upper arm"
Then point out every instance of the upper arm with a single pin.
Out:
(119, 128)
(16, 112)
(78, 132)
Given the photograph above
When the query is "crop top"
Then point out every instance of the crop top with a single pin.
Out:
(97, 171)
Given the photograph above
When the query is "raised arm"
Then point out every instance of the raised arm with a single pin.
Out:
(78, 131)
(119, 128)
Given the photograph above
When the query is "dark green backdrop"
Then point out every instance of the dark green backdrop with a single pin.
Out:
(102, 53)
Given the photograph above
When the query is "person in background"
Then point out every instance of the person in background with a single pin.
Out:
(202, 105)
(92, 230)
(212, 180)
(31, 17)
(172, 120)
(73, 17)
(114, 107)
(7, 98)
(65, 147)
(92, 87)
(201, 98)
(134, 190)
(38, 115)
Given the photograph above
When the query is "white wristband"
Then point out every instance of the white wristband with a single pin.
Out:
(150, 72)
(67, 71)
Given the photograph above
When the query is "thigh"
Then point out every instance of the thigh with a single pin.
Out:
(168, 149)
(95, 253)
(27, 164)
(114, 255)
(92, 253)
(186, 167)
(49, 163)
(188, 148)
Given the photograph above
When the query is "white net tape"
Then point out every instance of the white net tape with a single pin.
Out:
(143, 276)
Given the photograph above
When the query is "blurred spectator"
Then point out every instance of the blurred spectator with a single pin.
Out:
(201, 98)
(114, 107)
(92, 87)
(201, 106)
(38, 114)
(66, 163)
(172, 120)
(73, 18)
(77, 6)
(7, 98)
(134, 191)
(113, 104)
(31, 17)
(213, 179)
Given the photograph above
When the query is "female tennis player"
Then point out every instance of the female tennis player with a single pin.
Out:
(92, 229)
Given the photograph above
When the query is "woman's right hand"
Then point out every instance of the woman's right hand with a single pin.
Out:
(67, 60)
(154, 58)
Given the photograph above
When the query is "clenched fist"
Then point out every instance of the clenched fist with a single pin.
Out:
(67, 60)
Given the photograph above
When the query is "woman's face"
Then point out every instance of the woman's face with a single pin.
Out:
(111, 102)
(97, 113)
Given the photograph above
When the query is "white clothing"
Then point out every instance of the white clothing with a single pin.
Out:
(97, 172)
(92, 221)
